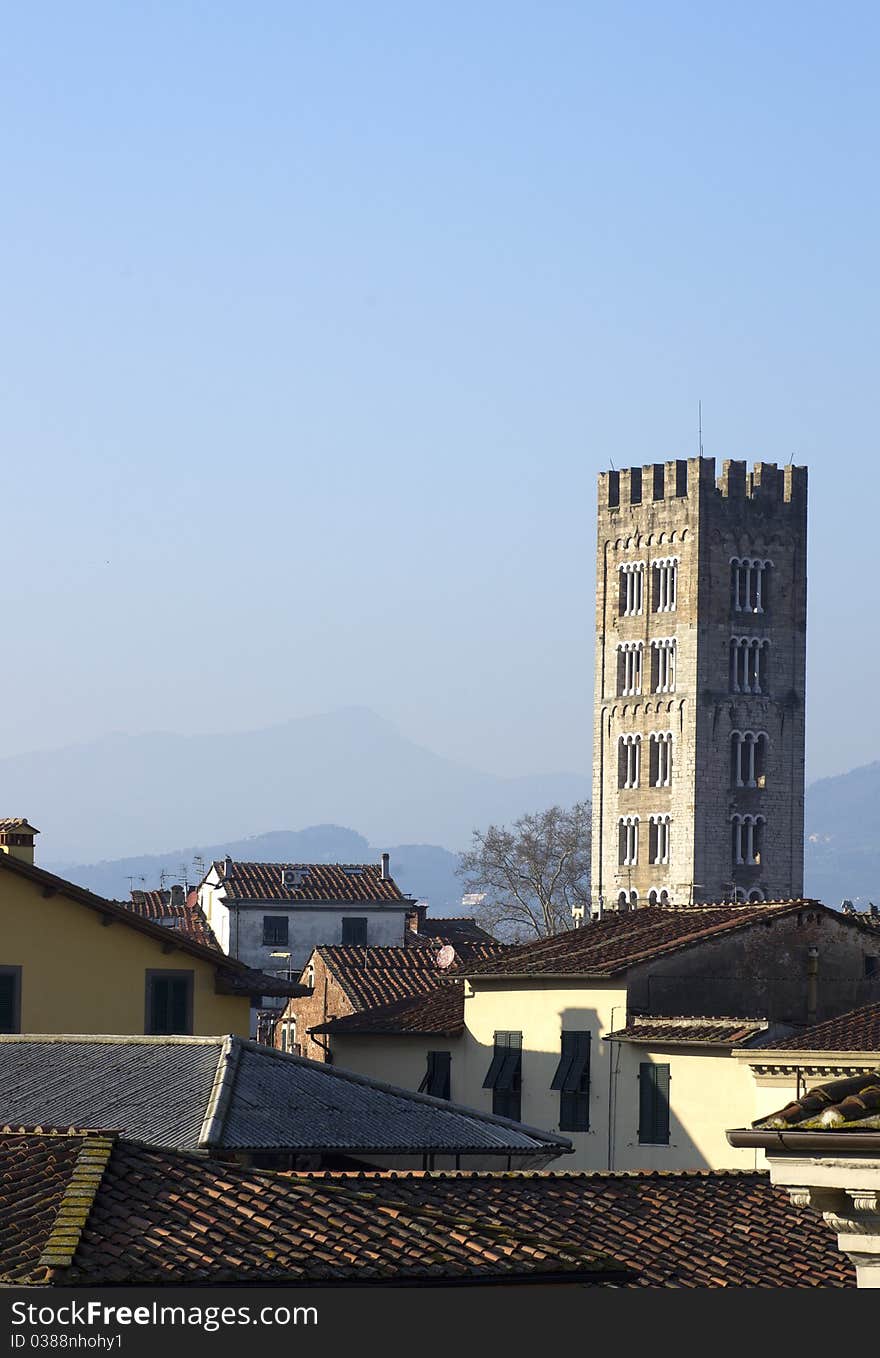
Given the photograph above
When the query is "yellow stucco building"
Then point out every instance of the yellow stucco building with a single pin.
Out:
(72, 962)
(625, 1034)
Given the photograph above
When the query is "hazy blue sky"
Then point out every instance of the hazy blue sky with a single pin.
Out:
(319, 321)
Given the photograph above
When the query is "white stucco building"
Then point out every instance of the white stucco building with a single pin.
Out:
(272, 915)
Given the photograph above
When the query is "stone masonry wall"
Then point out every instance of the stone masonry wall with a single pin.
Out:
(676, 509)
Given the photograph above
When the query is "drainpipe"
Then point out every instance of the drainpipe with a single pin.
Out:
(613, 1066)
(812, 985)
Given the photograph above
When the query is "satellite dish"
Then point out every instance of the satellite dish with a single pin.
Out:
(446, 956)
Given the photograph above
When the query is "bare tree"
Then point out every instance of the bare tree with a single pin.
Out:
(530, 875)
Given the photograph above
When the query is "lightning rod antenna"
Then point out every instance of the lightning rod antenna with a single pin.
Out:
(700, 424)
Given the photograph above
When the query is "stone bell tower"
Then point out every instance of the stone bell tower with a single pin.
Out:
(698, 760)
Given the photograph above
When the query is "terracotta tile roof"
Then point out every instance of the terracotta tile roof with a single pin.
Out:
(154, 1216)
(379, 976)
(186, 917)
(320, 882)
(689, 1031)
(159, 1216)
(848, 1105)
(10, 824)
(34, 1175)
(440, 1012)
(232, 976)
(623, 940)
(856, 1031)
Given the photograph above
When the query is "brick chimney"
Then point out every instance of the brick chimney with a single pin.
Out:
(17, 838)
(415, 918)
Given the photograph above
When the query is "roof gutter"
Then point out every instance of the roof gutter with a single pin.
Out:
(823, 1142)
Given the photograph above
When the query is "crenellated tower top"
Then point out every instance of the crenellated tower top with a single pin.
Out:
(767, 484)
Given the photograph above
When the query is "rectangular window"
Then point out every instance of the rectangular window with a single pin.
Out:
(275, 930)
(354, 931)
(572, 1079)
(10, 999)
(169, 1006)
(437, 1078)
(653, 1104)
(504, 1076)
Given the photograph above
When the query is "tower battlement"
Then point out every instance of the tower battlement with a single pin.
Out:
(686, 478)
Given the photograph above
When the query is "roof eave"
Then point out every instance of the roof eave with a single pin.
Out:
(170, 939)
(386, 1032)
(825, 1143)
(674, 1041)
(791, 1056)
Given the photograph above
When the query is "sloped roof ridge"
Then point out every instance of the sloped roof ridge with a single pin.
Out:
(748, 913)
(830, 1028)
(565, 1174)
(77, 1201)
(448, 1105)
(221, 1092)
(692, 1018)
(294, 863)
(170, 1039)
(359, 1021)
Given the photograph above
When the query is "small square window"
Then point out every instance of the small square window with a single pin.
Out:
(275, 930)
(169, 1002)
(872, 966)
(354, 931)
(10, 999)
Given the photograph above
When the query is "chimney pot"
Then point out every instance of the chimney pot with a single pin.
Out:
(385, 872)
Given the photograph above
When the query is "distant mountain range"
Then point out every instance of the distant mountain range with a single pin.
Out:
(127, 795)
(101, 805)
(422, 870)
(842, 822)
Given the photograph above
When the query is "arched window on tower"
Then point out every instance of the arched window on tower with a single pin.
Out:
(629, 760)
(660, 756)
(748, 759)
(749, 584)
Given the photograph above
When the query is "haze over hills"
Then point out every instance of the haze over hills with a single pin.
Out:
(842, 857)
(421, 870)
(110, 808)
(129, 795)
(842, 822)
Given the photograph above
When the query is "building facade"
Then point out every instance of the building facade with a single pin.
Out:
(273, 915)
(698, 763)
(625, 1035)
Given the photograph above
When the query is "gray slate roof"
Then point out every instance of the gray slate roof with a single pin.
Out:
(226, 1093)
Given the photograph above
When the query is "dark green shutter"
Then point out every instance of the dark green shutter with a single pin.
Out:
(653, 1104)
(572, 1079)
(169, 1004)
(7, 1002)
(178, 1006)
(661, 1105)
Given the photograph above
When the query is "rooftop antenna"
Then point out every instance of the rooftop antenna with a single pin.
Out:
(700, 423)
(131, 881)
